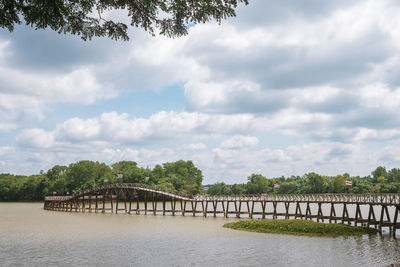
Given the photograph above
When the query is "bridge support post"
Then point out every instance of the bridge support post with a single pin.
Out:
(182, 207)
(345, 215)
(371, 214)
(163, 204)
(173, 204)
(145, 203)
(396, 225)
(287, 204)
(382, 222)
(193, 208)
(308, 211)
(298, 212)
(320, 215)
(332, 213)
(97, 205)
(274, 215)
(154, 205)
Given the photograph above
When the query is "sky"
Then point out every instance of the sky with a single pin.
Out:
(284, 88)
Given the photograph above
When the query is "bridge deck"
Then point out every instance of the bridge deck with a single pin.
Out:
(382, 210)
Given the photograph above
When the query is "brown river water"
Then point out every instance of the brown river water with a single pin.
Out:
(31, 236)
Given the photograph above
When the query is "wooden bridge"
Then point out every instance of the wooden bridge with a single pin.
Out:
(371, 210)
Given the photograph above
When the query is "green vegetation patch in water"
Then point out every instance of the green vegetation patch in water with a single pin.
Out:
(299, 227)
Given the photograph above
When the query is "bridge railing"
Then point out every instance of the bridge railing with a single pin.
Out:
(378, 198)
(101, 188)
(387, 198)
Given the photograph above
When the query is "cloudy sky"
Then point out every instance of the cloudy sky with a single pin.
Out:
(285, 88)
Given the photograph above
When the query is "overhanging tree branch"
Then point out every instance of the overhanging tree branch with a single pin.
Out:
(168, 17)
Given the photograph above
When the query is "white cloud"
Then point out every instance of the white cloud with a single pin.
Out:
(196, 146)
(239, 141)
(37, 138)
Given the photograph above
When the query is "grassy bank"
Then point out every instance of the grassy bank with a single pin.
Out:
(299, 227)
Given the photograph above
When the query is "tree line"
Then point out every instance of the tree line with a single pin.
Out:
(380, 181)
(180, 176)
(184, 177)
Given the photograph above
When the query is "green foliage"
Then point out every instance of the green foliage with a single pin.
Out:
(378, 172)
(299, 227)
(316, 183)
(181, 176)
(220, 189)
(184, 176)
(312, 183)
(338, 183)
(258, 184)
(85, 17)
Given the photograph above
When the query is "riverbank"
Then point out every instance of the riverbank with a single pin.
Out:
(299, 227)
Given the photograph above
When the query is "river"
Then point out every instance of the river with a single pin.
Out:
(31, 236)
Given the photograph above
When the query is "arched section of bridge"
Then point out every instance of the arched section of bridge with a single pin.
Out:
(371, 210)
(110, 197)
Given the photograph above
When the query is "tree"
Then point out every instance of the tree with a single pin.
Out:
(86, 174)
(394, 175)
(316, 182)
(338, 183)
(258, 184)
(87, 19)
(378, 172)
(220, 189)
(130, 171)
(185, 177)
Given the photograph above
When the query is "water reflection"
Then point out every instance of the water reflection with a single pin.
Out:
(30, 236)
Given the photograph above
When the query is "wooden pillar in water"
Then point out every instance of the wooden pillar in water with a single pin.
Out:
(182, 209)
(125, 193)
(308, 211)
(236, 210)
(358, 214)
(145, 203)
(215, 204)
(287, 204)
(298, 211)
(154, 205)
(384, 211)
(112, 205)
(163, 204)
(90, 203)
(371, 215)
(104, 203)
(173, 203)
(194, 206)
(96, 207)
(263, 204)
(345, 214)
(332, 213)
(274, 215)
(248, 209)
(137, 204)
(396, 225)
(116, 204)
(319, 214)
